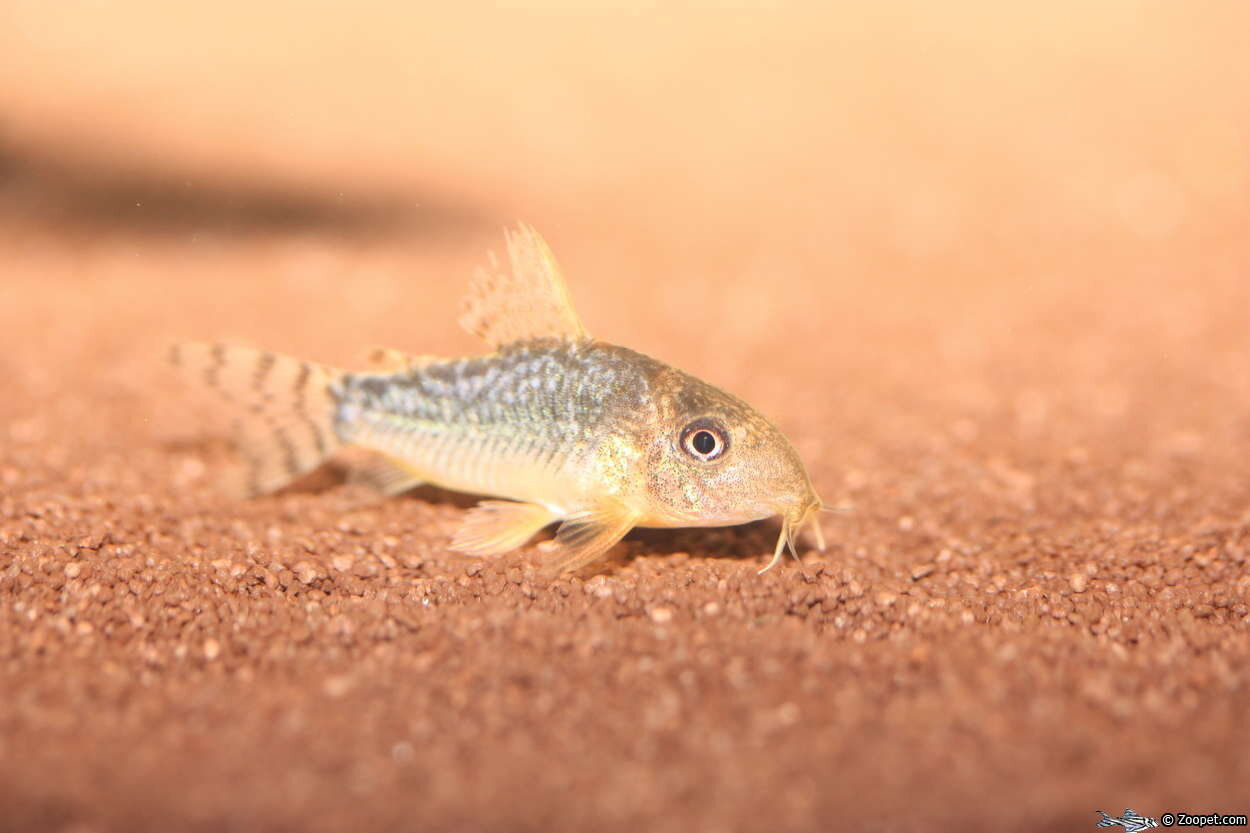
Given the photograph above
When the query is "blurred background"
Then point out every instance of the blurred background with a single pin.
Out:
(788, 169)
(894, 133)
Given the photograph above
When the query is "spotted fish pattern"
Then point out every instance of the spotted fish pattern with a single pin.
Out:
(553, 426)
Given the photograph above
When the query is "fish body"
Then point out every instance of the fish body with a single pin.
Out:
(527, 423)
(555, 425)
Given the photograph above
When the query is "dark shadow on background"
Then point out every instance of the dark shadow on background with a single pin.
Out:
(81, 194)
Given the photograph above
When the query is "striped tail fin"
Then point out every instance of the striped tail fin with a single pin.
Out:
(283, 410)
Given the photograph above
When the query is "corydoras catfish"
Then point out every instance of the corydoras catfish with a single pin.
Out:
(553, 426)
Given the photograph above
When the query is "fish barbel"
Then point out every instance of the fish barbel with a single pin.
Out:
(553, 426)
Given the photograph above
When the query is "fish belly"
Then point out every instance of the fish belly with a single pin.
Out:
(498, 464)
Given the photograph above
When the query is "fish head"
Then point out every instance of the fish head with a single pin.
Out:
(713, 460)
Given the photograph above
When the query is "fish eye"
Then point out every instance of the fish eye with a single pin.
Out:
(705, 439)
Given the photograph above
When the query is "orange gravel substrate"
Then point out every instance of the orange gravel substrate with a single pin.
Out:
(1037, 607)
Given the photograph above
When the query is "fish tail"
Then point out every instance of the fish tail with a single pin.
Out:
(283, 410)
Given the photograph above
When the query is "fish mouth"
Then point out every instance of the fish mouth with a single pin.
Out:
(793, 519)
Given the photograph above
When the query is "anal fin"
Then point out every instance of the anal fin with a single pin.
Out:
(386, 475)
(497, 526)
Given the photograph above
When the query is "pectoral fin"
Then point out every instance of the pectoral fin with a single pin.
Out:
(497, 526)
(588, 535)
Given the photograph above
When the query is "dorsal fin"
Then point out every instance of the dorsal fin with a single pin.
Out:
(525, 302)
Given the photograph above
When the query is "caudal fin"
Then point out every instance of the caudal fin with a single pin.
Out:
(283, 409)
